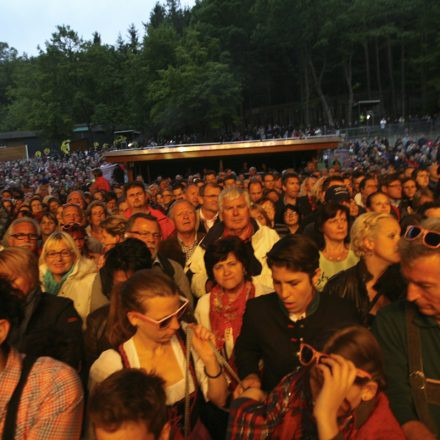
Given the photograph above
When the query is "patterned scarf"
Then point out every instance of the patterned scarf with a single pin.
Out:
(225, 314)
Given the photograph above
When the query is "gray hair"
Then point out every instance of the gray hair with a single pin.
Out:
(16, 222)
(177, 203)
(234, 192)
(411, 250)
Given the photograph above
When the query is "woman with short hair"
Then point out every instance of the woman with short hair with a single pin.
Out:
(222, 309)
(335, 254)
(96, 212)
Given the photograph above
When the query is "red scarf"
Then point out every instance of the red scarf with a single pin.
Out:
(224, 314)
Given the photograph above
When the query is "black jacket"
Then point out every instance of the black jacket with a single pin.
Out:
(352, 285)
(95, 337)
(52, 329)
(269, 335)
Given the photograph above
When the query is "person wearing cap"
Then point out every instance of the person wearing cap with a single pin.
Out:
(409, 334)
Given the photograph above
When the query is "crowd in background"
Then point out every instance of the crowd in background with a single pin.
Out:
(288, 269)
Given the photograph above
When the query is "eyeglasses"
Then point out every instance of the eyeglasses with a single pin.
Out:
(21, 237)
(307, 355)
(65, 253)
(154, 235)
(165, 322)
(73, 227)
(430, 238)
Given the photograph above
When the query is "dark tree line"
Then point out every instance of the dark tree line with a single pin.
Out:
(218, 66)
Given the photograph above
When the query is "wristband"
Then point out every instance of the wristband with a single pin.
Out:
(215, 376)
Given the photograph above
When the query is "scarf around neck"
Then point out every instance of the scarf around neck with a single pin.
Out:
(51, 285)
(225, 314)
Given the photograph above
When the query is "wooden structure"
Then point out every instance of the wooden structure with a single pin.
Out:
(246, 150)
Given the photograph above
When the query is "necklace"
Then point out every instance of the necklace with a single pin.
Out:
(336, 256)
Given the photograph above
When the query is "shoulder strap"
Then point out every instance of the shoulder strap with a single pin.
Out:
(417, 378)
(12, 409)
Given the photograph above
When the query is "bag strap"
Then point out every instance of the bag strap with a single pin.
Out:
(417, 378)
(14, 402)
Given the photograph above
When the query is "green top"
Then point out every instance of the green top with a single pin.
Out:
(329, 267)
(389, 327)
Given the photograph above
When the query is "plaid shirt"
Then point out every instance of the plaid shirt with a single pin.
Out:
(252, 420)
(287, 414)
(52, 401)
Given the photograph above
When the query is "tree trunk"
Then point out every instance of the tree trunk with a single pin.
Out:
(317, 82)
(402, 78)
(306, 94)
(391, 75)
(348, 78)
(378, 78)
(367, 68)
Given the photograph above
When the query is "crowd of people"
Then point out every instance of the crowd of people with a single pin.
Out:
(296, 304)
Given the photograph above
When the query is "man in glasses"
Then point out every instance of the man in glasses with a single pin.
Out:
(275, 325)
(24, 232)
(409, 333)
(146, 228)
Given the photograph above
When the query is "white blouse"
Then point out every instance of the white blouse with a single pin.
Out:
(111, 361)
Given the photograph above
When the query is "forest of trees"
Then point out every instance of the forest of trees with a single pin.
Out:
(218, 65)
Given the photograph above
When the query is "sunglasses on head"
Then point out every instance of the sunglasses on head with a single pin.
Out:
(430, 238)
(166, 321)
(307, 356)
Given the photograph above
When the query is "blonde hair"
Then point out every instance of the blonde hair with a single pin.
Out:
(56, 237)
(18, 260)
(365, 227)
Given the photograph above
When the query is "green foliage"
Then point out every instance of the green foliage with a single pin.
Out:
(223, 62)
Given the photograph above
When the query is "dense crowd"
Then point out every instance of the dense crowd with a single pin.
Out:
(294, 304)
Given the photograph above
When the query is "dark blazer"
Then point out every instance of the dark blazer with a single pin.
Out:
(269, 335)
(53, 329)
(170, 248)
(202, 228)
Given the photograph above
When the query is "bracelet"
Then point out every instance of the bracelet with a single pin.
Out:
(215, 376)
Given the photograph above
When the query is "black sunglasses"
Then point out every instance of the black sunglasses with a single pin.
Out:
(430, 238)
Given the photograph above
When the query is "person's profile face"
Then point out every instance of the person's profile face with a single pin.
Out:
(423, 277)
